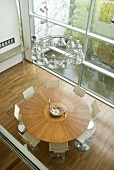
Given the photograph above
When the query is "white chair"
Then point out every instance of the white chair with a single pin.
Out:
(59, 150)
(79, 91)
(94, 112)
(52, 84)
(30, 140)
(83, 141)
(17, 114)
(28, 92)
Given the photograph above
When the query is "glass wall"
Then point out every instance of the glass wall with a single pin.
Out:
(71, 74)
(101, 54)
(98, 83)
(78, 13)
(89, 21)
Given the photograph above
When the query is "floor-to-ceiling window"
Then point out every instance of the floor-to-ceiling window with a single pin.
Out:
(89, 21)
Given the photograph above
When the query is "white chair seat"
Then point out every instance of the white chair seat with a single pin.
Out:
(59, 150)
(58, 147)
(84, 136)
(33, 140)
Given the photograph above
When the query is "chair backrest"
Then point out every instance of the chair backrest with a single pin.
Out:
(33, 141)
(25, 140)
(86, 135)
(28, 92)
(58, 147)
(79, 91)
(17, 113)
(92, 131)
(52, 84)
(95, 109)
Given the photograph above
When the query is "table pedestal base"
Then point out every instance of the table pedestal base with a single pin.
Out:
(83, 147)
(78, 145)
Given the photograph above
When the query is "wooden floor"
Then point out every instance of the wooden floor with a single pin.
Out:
(12, 83)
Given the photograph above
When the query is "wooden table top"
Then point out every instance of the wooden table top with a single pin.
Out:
(40, 123)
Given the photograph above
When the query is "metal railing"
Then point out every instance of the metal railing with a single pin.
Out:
(28, 158)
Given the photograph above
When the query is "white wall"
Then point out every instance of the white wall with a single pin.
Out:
(9, 26)
(10, 62)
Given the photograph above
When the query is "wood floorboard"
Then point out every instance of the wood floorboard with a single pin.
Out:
(12, 84)
(20, 166)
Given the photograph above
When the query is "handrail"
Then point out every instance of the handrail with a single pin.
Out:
(28, 158)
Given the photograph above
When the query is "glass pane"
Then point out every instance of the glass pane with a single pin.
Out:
(43, 29)
(103, 15)
(72, 12)
(70, 73)
(59, 10)
(39, 7)
(40, 28)
(75, 36)
(101, 54)
(98, 83)
(78, 13)
(53, 39)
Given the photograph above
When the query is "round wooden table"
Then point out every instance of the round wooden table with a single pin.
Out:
(40, 123)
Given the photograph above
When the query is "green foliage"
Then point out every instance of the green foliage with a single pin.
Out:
(105, 52)
(107, 12)
(72, 1)
(88, 7)
(72, 7)
(70, 22)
